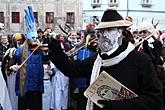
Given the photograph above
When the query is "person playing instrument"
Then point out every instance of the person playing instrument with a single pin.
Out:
(152, 46)
(118, 58)
(29, 67)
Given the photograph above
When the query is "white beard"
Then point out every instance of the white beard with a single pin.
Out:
(110, 40)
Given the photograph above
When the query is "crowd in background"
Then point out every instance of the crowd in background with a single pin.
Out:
(61, 92)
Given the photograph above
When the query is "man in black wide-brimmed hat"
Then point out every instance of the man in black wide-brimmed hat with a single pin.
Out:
(118, 58)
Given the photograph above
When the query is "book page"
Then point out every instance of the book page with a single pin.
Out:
(105, 87)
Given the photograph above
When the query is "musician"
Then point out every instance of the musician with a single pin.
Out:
(119, 59)
(28, 65)
(152, 46)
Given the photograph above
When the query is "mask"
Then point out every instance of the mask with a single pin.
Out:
(110, 39)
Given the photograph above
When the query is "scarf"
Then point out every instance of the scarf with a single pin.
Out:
(105, 63)
(24, 56)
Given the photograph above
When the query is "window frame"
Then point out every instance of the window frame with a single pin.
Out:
(15, 17)
(48, 17)
(70, 17)
(36, 16)
(2, 18)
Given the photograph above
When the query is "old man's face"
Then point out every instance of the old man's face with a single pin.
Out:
(109, 39)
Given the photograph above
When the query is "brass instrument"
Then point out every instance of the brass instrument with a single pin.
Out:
(73, 51)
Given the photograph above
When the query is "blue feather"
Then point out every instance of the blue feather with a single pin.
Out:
(31, 14)
(31, 30)
(29, 21)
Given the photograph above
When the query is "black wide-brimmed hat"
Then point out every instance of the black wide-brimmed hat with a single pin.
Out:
(111, 18)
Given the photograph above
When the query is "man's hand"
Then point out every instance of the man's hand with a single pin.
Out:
(107, 104)
(14, 68)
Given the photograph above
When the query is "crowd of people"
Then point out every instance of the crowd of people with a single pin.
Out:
(45, 70)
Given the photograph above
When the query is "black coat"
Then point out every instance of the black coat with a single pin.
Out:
(136, 72)
(154, 52)
(3, 49)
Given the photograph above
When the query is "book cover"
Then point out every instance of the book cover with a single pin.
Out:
(105, 87)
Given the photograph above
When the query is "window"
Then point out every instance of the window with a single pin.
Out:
(36, 16)
(15, 17)
(1, 17)
(96, 3)
(49, 17)
(70, 17)
(146, 3)
(112, 3)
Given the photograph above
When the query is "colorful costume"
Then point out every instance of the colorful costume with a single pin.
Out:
(29, 78)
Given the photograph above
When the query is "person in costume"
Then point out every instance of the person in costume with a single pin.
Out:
(5, 103)
(152, 46)
(118, 58)
(17, 41)
(60, 83)
(46, 96)
(28, 63)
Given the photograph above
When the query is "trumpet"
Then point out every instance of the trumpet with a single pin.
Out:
(74, 50)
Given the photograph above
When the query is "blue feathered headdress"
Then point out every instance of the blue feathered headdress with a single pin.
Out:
(31, 30)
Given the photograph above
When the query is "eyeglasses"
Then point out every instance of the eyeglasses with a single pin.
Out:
(144, 31)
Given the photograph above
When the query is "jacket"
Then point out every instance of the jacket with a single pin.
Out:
(34, 72)
(136, 72)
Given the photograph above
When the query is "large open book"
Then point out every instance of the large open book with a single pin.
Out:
(105, 87)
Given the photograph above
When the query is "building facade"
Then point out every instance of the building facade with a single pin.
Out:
(48, 13)
(77, 13)
(137, 9)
